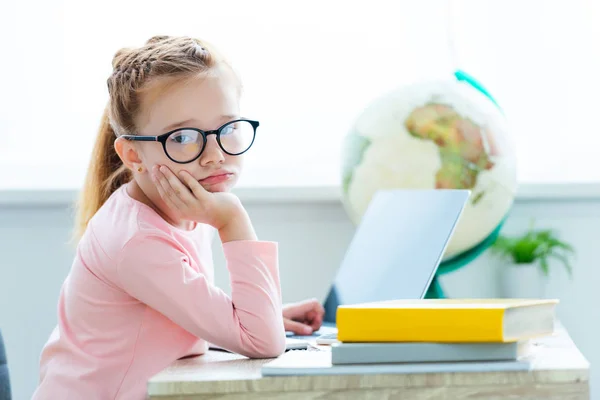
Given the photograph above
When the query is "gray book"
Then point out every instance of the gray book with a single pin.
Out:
(307, 362)
(378, 353)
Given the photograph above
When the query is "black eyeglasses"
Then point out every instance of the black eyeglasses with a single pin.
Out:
(184, 145)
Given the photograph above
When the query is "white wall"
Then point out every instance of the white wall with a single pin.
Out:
(312, 237)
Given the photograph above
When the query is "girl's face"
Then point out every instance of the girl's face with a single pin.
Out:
(205, 103)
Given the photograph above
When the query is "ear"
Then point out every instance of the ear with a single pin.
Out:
(128, 153)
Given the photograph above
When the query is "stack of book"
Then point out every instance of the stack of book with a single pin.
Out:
(440, 330)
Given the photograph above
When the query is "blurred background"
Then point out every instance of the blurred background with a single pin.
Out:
(311, 71)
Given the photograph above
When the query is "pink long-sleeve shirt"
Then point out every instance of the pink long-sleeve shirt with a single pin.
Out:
(140, 295)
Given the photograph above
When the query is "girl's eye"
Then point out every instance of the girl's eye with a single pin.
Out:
(184, 137)
(228, 130)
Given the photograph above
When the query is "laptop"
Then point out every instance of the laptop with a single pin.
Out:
(396, 249)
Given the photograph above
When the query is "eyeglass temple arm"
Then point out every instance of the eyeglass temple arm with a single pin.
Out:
(141, 138)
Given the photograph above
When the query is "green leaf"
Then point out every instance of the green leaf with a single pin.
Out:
(561, 245)
(534, 245)
(544, 265)
(524, 251)
(565, 261)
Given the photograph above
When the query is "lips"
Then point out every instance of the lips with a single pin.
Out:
(217, 177)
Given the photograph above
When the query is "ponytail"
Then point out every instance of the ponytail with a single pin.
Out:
(106, 173)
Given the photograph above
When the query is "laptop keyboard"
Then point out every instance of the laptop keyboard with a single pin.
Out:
(326, 329)
(328, 336)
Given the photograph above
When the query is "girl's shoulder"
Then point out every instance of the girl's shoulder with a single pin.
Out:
(109, 233)
(125, 233)
(122, 219)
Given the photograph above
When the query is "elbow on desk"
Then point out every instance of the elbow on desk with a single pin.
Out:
(277, 347)
(269, 346)
(269, 350)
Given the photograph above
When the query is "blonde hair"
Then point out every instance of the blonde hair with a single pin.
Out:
(133, 70)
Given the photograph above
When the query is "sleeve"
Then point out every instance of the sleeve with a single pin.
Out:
(154, 270)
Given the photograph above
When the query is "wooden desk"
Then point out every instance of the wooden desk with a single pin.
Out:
(559, 371)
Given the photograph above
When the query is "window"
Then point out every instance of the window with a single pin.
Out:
(539, 59)
(308, 69)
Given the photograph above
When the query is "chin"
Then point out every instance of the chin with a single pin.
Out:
(219, 187)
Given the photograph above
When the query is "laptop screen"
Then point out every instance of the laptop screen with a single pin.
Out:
(398, 245)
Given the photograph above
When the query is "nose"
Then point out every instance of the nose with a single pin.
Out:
(212, 153)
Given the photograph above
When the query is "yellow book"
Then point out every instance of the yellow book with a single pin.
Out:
(446, 320)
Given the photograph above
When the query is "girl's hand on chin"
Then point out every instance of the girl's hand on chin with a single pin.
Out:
(189, 200)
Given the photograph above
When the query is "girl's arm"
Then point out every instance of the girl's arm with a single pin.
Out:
(154, 270)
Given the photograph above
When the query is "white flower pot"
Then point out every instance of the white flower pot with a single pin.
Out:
(522, 281)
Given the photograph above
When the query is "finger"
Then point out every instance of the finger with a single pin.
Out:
(320, 308)
(312, 305)
(310, 315)
(162, 193)
(197, 189)
(181, 191)
(297, 327)
(317, 309)
(317, 322)
(316, 315)
(168, 194)
(305, 306)
(320, 311)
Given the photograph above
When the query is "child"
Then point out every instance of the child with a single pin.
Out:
(140, 292)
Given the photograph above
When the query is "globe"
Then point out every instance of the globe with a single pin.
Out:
(444, 134)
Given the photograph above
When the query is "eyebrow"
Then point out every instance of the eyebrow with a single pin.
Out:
(181, 124)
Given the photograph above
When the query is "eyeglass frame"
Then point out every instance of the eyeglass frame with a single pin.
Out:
(162, 138)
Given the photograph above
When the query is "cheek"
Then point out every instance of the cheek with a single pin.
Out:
(154, 154)
(235, 161)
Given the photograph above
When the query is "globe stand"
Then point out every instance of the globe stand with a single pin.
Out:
(435, 290)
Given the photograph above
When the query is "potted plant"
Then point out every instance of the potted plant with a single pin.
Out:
(530, 256)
